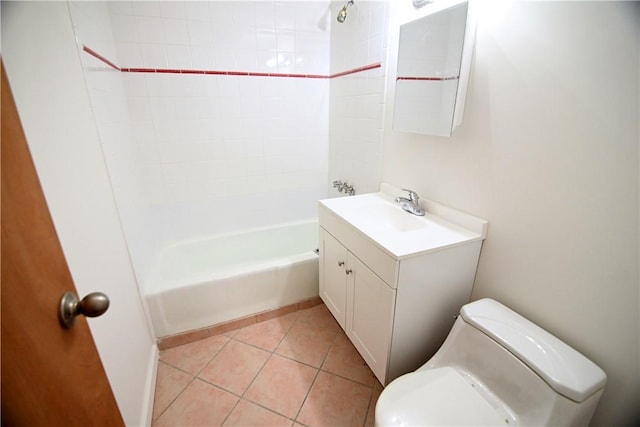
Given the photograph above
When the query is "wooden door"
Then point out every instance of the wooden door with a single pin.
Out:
(50, 376)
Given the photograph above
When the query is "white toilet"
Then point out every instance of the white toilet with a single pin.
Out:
(495, 368)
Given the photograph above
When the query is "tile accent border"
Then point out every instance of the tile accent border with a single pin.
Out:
(221, 328)
(226, 73)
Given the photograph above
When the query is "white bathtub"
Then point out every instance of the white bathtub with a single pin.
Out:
(200, 283)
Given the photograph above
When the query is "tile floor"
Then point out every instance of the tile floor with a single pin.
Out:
(298, 369)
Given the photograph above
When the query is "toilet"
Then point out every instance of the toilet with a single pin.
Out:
(495, 368)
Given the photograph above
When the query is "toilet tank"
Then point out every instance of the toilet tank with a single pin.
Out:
(530, 376)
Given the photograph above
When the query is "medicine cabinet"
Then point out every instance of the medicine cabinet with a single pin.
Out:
(434, 62)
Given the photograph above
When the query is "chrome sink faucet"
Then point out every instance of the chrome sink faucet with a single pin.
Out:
(410, 204)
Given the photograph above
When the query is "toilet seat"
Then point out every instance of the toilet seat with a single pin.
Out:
(434, 397)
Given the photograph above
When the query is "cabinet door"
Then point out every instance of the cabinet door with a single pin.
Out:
(333, 280)
(371, 305)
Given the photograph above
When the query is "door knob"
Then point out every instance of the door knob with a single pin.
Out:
(93, 305)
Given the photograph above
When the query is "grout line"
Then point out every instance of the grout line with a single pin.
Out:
(315, 379)
(177, 395)
(193, 378)
(272, 353)
(234, 406)
(366, 417)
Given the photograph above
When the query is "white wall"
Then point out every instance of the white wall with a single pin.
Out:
(548, 154)
(44, 70)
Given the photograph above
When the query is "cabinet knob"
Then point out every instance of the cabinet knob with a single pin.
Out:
(340, 263)
(347, 271)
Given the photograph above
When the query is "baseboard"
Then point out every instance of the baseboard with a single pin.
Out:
(146, 416)
(199, 334)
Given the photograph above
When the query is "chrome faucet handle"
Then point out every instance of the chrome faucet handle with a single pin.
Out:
(412, 195)
(338, 184)
(348, 188)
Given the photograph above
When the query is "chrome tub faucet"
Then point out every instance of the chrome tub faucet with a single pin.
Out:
(344, 187)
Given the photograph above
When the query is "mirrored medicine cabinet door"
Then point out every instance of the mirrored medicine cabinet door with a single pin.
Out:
(430, 84)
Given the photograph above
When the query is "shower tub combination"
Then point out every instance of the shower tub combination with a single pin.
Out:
(200, 283)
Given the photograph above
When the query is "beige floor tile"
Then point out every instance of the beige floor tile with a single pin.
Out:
(344, 360)
(200, 404)
(319, 316)
(335, 401)
(371, 414)
(170, 382)
(194, 356)
(235, 366)
(282, 385)
(267, 334)
(307, 343)
(249, 414)
(277, 386)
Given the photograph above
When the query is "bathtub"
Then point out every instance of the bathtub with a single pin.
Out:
(200, 283)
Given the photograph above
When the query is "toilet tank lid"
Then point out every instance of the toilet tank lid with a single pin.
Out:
(563, 368)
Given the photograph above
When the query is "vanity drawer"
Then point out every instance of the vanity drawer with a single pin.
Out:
(381, 263)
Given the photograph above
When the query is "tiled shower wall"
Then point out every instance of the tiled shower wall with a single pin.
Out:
(106, 87)
(356, 111)
(192, 154)
(197, 154)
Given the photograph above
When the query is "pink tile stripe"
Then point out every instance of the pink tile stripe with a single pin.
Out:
(227, 73)
(437, 79)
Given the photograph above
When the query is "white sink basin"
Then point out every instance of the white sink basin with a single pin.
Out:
(387, 217)
(401, 233)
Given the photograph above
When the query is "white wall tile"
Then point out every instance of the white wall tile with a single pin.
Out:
(197, 10)
(173, 9)
(146, 8)
(265, 15)
(202, 58)
(175, 31)
(200, 33)
(225, 59)
(129, 54)
(120, 7)
(125, 28)
(154, 55)
(246, 60)
(150, 29)
(178, 56)
(207, 137)
(357, 100)
(285, 16)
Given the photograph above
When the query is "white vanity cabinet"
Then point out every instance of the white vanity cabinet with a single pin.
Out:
(345, 280)
(396, 307)
(371, 305)
(333, 277)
